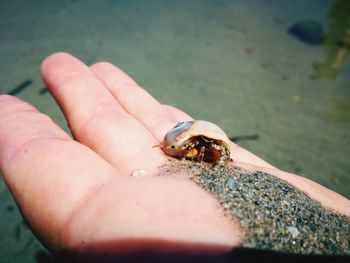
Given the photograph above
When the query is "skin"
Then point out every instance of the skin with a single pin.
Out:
(78, 194)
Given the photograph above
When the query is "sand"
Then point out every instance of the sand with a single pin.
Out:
(273, 214)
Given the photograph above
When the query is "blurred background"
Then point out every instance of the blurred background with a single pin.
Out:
(273, 74)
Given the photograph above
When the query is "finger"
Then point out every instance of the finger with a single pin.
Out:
(239, 154)
(156, 117)
(135, 100)
(96, 118)
(176, 113)
(49, 174)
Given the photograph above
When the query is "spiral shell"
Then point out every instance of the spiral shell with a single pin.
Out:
(197, 140)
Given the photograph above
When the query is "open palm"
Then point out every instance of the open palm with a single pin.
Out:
(78, 194)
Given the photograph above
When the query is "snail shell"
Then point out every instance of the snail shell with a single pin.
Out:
(197, 140)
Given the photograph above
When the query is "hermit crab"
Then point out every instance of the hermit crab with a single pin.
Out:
(198, 140)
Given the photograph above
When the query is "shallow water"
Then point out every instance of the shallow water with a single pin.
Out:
(235, 56)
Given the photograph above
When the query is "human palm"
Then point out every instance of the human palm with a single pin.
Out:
(79, 194)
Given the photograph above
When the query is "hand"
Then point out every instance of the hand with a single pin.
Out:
(78, 194)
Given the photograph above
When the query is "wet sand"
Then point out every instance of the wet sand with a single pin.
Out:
(273, 214)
